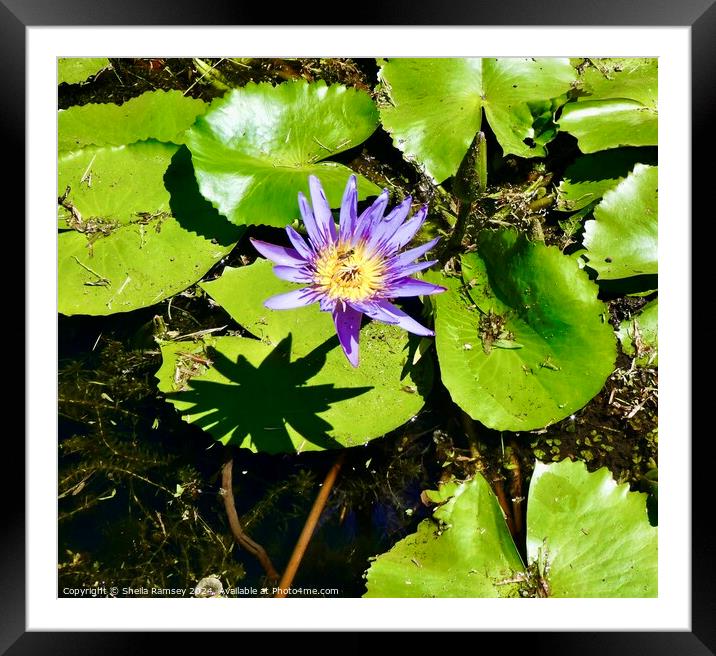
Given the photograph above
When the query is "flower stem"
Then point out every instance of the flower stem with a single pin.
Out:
(309, 527)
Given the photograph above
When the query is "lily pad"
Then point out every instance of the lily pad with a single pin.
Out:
(591, 176)
(433, 107)
(586, 537)
(523, 341)
(160, 115)
(639, 336)
(622, 240)
(73, 70)
(292, 390)
(114, 184)
(617, 105)
(613, 77)
(142, 262)
(464, 551)
(254, 148)
(594, 533)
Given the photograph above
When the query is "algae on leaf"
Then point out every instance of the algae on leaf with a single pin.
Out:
(138, 242)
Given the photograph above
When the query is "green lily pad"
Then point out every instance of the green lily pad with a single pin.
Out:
(73, 70)
(293, 389)
(586, 537)
(433, 107)
(160, 115)
(254, 148)
(149, 259)
(594, 534)
(114, 184)
(639, 336)
(617, 105)
(591, 176)
(464, 551)
(622, 239)
(524, 341)
(635, 78)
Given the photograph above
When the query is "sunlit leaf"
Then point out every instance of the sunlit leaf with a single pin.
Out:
(433, 107)
(73, 70)
(561, 347)
(254, 148)
(160, 115)
(622, 240)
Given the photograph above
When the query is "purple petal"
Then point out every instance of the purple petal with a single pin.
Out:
(408, 230)
(370, 216)
(278, 254)
(404, 259)
(299, 243)
(410, 269)
(385, 229)
(291, 274)
(414, 287)
(314, 233)
(349, 210)
(322, 210)
(386, 312)
(289, 300)
(347, 320)
(327, 304)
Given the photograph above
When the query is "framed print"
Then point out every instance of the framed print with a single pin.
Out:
(268, 389)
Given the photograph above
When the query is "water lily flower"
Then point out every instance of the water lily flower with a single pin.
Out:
(356, 268)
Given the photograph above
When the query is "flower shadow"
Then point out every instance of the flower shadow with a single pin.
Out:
(259, 403)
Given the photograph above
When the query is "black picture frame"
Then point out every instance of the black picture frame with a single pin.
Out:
(700, 15)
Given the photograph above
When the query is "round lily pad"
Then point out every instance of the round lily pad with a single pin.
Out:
(160, 115)
(523, 340)
(150, 257)
(433, 107)
(73, 70)
(617, 104)
(113, 184)
(465, 550)
(292, 389)
(622, 240)
(254, 148)
(593, 535)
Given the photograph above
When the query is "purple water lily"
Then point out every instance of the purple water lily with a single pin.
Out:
(355, 269)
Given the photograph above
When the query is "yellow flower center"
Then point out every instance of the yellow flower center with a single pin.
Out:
(348, 272)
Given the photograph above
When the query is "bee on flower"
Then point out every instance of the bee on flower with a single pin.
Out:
(356, 268)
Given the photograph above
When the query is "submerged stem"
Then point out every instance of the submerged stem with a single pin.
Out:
(242, 539)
